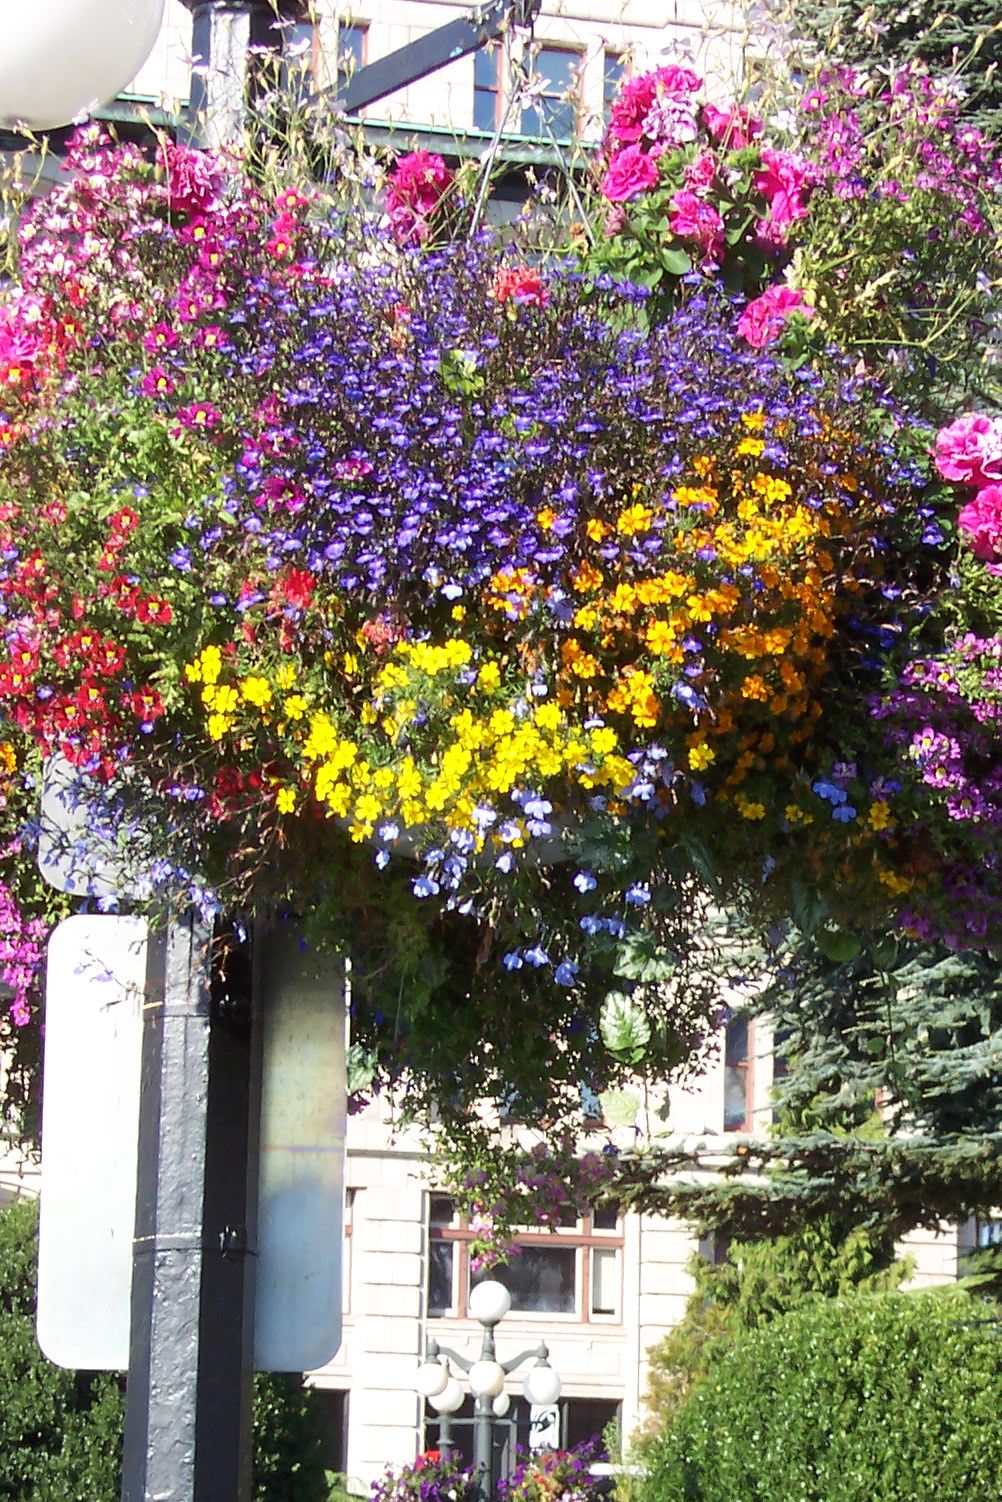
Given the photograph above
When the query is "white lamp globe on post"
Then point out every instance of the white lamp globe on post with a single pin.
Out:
(431, 1378)
(541, 1385)
(450, 1399)
(489, 1302)
(62, 59)
(486, 1378)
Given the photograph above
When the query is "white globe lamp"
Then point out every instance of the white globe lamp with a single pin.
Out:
(486, 1378)
(430, 1378)
(541, 1385)
(62, 59)
(489, 1302)
(501, 1405)
(450, 1399)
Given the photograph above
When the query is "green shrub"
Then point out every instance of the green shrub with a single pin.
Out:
(875, 1398)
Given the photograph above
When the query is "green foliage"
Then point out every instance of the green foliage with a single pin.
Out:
(754, 1284)
(888, 1398)
(61, 1431)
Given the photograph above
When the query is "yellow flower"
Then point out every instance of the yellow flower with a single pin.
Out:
(285, 676)
(634, 519)
(489, 677)
(221, 697)
(660, 637)
(8, 758)
(701, 756)
(747, 809)
(257, 691)
(753, 447)
(595, 529)
(753, 421)
(367, 809)
(295, 707)
(209, 663)
(879, 815)
(285, 802)
(546, 518)
(218, 725)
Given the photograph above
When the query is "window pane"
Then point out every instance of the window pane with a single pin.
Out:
(735, 1098)
(485, 68)
(351, 46)
(613, 77)
(541, 1280)
(604, 1281)
(440, 1283)
(736, 1041)
(605, 1217)
(440, 1210)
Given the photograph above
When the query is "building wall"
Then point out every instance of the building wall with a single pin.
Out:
(644, 32)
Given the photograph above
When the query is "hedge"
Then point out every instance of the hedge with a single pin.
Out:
(873, 1398)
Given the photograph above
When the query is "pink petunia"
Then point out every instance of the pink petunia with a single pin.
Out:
(631, 172)
(981, 522)
(695, 220)
(765, 317)
(970, 449)
(638, 96)
(731, 128)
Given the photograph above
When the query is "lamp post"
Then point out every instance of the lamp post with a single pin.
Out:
(490, 1301)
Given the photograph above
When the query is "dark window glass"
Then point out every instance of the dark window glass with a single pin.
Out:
(615, 72)
(486, 88)
(440, 1210)
(990, 1233)
(350, 48)
(440, 1283)
(736, 1075)
(556, 108)
(541, 1280)
(605, 1216)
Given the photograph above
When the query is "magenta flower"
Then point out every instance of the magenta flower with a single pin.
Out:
(638, 95)
(731, 128)
(981, 522)
(194, 179)
(785, 180)
(697, 221)
(764, 318)
(631, 172)
(970, 450)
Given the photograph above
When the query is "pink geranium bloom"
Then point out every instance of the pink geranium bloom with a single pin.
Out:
(414, 190)
(981, 521)
(765, 317)
(631, 172)
(731, 128)
(638, 95)
(970, 449)
(194, 180)
(785, 181)
(697, 221)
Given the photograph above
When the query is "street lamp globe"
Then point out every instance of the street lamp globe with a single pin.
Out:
(501, 1405)
(431, 1378)
(450, 1399)
(489, 1301)
(61, 59)
(486, 1378)
(541, 1385)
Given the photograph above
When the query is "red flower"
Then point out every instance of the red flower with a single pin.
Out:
(521, 284)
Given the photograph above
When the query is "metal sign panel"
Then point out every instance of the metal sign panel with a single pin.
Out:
(90, 1119)
(84, 844)
(93, 1045)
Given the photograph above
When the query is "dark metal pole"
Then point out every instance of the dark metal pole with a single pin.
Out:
(483, 1427)
(188, 1395)
(225, 35)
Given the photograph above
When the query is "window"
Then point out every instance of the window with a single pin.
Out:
(487, 91)
(614, 71)
(580, 1419)
(575, 1270)
(352, 47)
(738, 1076)
(988, 1232)
(556, 107)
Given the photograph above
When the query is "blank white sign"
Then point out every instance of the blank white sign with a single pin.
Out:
(90, 1122)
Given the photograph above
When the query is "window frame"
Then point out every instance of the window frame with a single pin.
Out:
(583, 1237)
(493, 51)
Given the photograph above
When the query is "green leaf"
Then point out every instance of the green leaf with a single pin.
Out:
(619, 1107)
(676, 262)
(624, 1027)
(641, 959)
(838, 946)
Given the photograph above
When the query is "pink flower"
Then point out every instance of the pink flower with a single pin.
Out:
(785, 181)
(701, 174)
(418, 180)
(970, 449)
(630, 173)
(194, 179)
(731, 128)
(696, 220)
(638, 95)
(764, 318)
(981, 520)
